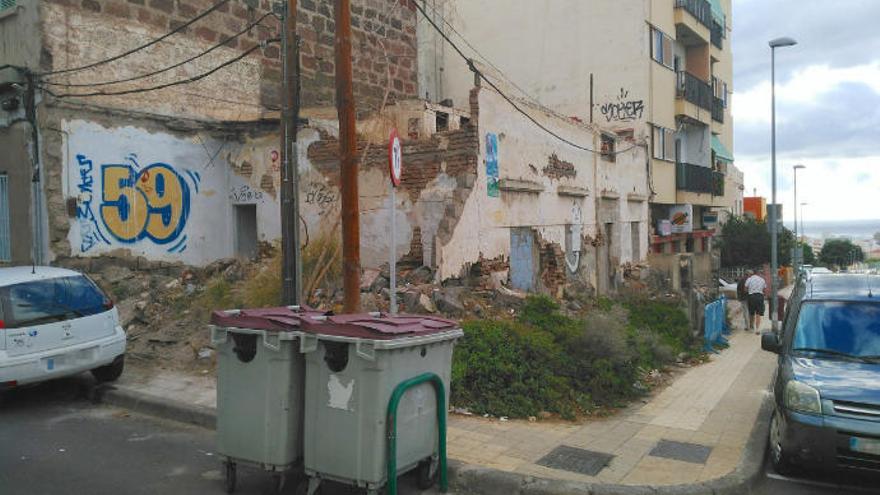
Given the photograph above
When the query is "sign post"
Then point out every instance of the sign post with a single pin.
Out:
(395, 167)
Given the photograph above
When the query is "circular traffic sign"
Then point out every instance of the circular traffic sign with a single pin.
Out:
(395, 157)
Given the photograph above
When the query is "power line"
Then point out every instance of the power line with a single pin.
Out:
(166, 69)
(512, 103)
(166, 85)
(141, 47)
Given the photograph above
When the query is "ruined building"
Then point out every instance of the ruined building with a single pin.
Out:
(96, 165)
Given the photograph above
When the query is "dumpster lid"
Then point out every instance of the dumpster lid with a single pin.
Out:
(283, 319)
(376, 326)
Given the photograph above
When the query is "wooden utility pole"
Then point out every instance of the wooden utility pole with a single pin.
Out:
(291, 259)
(351, 250)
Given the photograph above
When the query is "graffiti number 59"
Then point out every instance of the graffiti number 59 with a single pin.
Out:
(152, 203)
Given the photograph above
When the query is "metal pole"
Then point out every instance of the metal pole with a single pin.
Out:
(392, 265)
(351, 256)
(773, 254)
(290, 246)
(796, 258)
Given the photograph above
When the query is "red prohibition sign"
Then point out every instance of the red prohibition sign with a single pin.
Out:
(395, 158)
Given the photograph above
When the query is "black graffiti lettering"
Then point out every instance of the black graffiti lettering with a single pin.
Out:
(623, 111)
(321, 196)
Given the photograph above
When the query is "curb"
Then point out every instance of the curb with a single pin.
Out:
(153, 405)
(475, 480)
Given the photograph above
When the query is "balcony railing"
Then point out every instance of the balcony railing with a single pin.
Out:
(698, 179)
(716, 34)
(699, 9)
(695, 90)
(718, 110)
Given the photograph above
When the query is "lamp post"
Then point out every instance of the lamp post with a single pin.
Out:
(798, 250)
(774, 263)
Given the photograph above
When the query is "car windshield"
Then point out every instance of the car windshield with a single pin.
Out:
(56, 299)
(842, 328)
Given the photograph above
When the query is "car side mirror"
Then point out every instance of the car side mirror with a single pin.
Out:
(770, 342)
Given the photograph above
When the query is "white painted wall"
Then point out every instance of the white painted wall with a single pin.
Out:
(549, 48)
(523, 153)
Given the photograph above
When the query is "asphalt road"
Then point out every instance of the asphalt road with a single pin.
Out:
(53, 440)
(816, 483)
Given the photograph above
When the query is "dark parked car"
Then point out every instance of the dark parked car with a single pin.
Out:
(827, 386)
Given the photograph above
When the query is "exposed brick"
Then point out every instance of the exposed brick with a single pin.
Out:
(186, 9)
(272, 51)
(308, 5)
(242, 12)
(166, 6)
(136, 2)
(206, 34)
(91, 5)
(309, 62)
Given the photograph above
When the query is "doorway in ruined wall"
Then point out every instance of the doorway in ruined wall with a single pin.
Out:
(522, 259)
(245, 231)
(605, 273)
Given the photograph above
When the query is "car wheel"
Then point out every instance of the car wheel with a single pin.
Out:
(111, 372)
(778, 457)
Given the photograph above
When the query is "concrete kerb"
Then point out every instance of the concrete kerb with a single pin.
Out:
(469, 479)
(161, 407)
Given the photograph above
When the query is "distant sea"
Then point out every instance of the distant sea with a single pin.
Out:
(854, 229)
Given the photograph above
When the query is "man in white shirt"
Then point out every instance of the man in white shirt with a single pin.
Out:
(755, 286)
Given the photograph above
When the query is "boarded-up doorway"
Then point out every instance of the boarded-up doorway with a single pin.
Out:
(246, 231)
(522, 259)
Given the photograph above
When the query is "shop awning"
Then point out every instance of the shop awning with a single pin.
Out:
(720, 150)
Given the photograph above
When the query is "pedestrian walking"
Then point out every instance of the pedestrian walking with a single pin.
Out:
(742, 295)
(755, 287)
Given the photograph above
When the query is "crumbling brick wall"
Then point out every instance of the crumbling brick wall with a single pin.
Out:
(77, 32)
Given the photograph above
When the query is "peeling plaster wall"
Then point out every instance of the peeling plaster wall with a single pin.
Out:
(533, 168)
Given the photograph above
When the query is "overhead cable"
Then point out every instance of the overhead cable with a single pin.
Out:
(166, 85)
(141, 47)
(165, 69)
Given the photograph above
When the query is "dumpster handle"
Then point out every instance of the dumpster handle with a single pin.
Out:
(365, 350)
(218, 335)
(396, 395)
(267, 341)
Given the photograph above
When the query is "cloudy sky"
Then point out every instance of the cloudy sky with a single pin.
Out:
(827, 103)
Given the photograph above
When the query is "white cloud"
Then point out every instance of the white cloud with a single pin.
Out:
(804, 88)
(836, 188)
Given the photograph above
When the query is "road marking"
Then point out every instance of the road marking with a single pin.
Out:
(819, 484)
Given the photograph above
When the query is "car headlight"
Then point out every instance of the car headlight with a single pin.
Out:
(801, 397)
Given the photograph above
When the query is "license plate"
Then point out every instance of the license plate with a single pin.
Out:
(864, 445)
(50, 364)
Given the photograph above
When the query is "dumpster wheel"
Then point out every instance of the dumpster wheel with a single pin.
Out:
(230, 476)
(427, 473)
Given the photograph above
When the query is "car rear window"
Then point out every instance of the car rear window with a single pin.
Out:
(57, 299)
(851, 328)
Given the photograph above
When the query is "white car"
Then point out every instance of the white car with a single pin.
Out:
(53, 323)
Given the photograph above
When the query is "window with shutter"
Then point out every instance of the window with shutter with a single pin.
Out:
(669, 144)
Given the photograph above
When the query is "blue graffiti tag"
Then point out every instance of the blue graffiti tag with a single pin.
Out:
(90, 232)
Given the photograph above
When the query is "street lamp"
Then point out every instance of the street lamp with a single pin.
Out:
(796, 261)
(774, 264)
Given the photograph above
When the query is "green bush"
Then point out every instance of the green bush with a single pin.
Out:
(546, 361)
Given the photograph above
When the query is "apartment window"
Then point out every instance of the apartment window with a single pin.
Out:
(5, 239)
(661, 47)
(663, 141)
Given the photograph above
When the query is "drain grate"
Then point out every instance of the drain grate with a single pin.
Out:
(681, 451)
(576, 460)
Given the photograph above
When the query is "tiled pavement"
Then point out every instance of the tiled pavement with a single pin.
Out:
(714, 405)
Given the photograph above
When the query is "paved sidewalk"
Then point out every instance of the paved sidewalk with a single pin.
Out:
(708, 413)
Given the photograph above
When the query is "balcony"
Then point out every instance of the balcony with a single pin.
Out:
(718, 110)
(716, 33)
(694, 90)
(698, 179)
(700, 9)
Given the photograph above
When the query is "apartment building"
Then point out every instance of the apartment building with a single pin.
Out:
(659, 71)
